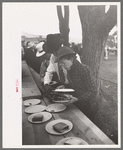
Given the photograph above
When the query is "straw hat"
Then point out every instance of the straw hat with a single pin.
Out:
(40, 50)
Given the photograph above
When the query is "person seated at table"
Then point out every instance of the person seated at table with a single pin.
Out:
(81, 79)
(52, 44)
(30, 57)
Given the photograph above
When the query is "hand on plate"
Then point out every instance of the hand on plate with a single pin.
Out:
(48, 88)
(60, 87)
(72, 100)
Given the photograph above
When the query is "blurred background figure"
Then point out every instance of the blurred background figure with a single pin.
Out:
(30, 57)
(23, 46)
(106, 53)
(76, 47)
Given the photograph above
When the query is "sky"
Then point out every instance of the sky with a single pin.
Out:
(42, 19)
(39, 18)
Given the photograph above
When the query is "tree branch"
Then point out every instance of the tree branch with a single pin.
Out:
(109, 21)
(88, 16)
(82, 10)
(82, 13)
(59, 12)
(64, 22)
(95, 15)
(66, 15)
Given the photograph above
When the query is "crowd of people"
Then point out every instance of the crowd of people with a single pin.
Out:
(56, 62)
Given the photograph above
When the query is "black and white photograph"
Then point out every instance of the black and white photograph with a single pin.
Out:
(61, 64)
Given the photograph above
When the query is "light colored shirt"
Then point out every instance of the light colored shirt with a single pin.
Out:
(22, 50)
(53, 67)
(43, 69)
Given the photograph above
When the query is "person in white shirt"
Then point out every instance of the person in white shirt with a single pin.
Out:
(52, 45)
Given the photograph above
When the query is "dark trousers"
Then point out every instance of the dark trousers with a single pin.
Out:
(32, 60)
(89, 108)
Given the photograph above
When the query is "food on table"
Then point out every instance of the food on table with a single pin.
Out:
(38, 117)
(73, 141)
(60, 96)
(60, 127)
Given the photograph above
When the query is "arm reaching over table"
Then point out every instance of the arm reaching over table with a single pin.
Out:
(72, 100)
(49, 72)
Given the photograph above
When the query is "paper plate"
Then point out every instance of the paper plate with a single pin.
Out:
(30, 102)
(64, 90)
(46, 117)
(61, 101)
(35, 109)
(55, 107)
(49, 126)
(73, 140)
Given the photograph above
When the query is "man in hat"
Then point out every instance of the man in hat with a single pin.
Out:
(80, 79)
(52, 45)
(34, 55)
(31, 58)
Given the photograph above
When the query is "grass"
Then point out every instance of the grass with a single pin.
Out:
(106, 118)
(109, 69)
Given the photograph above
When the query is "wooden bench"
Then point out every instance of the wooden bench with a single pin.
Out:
(29, 87)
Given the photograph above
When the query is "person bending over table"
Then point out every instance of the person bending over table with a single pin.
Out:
(81, 80)
(52, 45)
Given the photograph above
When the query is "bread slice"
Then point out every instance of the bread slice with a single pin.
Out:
(38, 117)
(73, 141)
(60, 127)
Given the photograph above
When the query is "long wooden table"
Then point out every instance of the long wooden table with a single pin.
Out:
(35, 134)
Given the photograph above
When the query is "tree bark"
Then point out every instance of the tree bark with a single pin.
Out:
(64, 23)
(96, 25)
(109, 21)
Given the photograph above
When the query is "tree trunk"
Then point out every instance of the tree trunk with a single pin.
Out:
(64, 23)
(95, 30)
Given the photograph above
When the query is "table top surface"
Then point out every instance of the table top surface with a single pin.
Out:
(35, 134)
